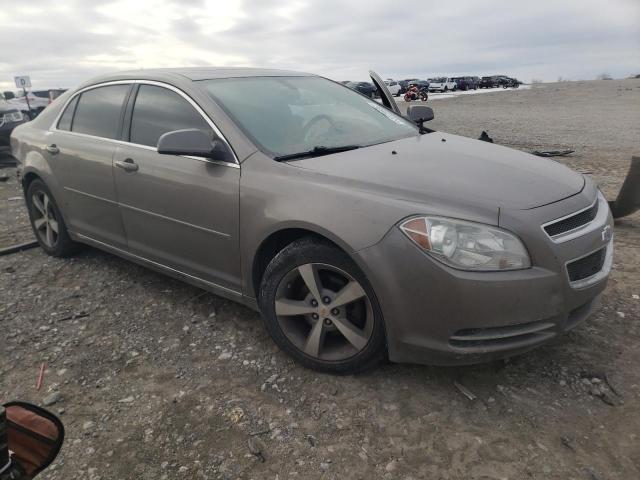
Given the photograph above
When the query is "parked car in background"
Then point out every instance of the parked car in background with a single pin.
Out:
(421, 84)
(508, 82)
(38, 100)
(10, 118)
(489, 82)
(442, 84)
(393, 86)
(358, 234)
(466, 83)
(365, 88)
(55, 93)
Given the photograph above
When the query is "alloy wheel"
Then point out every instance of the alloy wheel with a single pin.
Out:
(45, 220)
(324, 312)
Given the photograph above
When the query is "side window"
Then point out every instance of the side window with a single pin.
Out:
(98, 111)
(65, 120)
(159, 110)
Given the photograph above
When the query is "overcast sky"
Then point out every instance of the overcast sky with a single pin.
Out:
(62, 42)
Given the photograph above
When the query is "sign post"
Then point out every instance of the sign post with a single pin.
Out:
(24, 82)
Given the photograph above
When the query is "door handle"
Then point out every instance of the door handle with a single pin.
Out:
(52, 149)
(127, 165)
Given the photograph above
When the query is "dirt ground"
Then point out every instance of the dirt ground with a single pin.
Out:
(155, 379)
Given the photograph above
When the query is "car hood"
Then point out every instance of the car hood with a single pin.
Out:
(438, 167)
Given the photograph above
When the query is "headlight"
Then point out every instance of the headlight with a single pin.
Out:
(467, 245)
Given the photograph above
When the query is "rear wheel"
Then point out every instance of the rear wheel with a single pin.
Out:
(47, 222)
(320, 309)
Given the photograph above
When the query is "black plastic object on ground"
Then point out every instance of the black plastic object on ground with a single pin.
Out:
(552, 153)
(628, 200)
(18, 247)
(484, 136)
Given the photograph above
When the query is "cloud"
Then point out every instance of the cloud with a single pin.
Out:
(60, 43)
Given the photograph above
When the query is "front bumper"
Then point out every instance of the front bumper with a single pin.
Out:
(438, 315)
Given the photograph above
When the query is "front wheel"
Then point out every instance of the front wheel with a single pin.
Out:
(47, 222)
(320, 309)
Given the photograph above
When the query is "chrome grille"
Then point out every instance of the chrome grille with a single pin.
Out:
(572, 222)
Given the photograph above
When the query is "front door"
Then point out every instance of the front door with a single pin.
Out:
(180, 212)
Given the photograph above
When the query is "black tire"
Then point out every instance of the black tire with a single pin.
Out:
(311, 250)
(63, 246)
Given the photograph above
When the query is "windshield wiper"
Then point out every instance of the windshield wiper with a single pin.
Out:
(316, 152)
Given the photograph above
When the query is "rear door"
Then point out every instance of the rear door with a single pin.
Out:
(181, 212)
(80, 148)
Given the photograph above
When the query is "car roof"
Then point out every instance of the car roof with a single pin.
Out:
(195, 73)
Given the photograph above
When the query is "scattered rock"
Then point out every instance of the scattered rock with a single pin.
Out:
(257, 447)
(224, 356)
(312, 440)
(392, 466)
(88, 425)
(129, 399)
(568, 442)
(51, 399)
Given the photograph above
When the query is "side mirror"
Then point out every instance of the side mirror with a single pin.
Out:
(193, 141)
(9, 95)
(30, 439)
(420, 114)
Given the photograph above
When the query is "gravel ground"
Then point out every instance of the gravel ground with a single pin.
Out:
(155, 379)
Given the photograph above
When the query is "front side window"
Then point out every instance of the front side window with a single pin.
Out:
(98, 111)
(158, 110)
(287, 115)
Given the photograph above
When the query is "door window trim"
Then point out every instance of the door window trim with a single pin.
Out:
(214, 127)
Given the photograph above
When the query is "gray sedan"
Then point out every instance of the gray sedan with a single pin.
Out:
(359, 233)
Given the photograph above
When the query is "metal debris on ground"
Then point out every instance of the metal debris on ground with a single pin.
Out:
(553, 153)
(465, 391)
(40, 377)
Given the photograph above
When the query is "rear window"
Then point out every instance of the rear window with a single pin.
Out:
(98, 111)
(65, 120)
